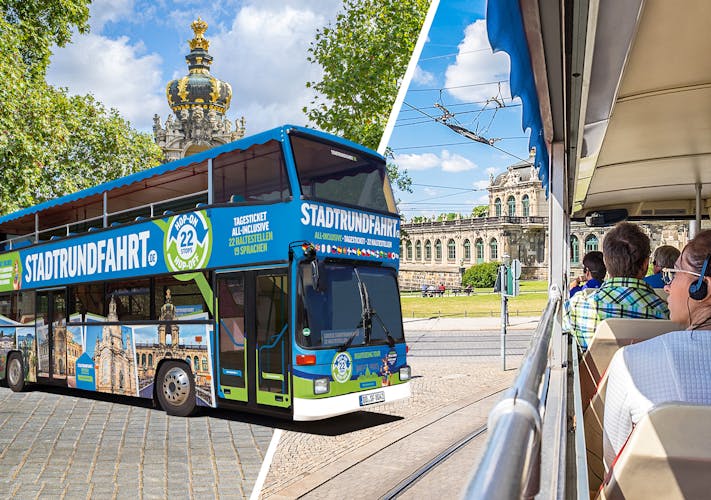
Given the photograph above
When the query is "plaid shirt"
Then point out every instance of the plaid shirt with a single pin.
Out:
(616, 298)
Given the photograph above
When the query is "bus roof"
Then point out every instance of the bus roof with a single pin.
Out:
(630, 100)
(95, 193)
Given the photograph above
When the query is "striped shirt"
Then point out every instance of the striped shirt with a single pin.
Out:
(616, 298)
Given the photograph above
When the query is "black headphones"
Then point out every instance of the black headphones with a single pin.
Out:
(698, 290)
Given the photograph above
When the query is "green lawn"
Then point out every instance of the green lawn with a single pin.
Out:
(484, 302)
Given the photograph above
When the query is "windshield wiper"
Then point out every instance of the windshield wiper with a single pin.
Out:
(366, 315)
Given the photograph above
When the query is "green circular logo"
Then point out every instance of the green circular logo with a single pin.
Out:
(188, 242)
(342, 367)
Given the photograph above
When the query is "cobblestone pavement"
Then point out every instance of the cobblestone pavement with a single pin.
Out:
(62, 446)
(436, 383)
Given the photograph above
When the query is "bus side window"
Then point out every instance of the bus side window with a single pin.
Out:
(129, 300)
(87, 299)
(256, 175)
(185, 296)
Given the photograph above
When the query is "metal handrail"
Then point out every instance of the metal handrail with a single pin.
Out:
(509, 468)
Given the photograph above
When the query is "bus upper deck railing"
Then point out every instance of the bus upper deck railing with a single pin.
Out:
(510, 465)
(147, 210)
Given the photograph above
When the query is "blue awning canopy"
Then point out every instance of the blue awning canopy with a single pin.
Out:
(506, 33)
(25, 217)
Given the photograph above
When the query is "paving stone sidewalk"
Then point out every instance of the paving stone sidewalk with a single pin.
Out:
(60, 446)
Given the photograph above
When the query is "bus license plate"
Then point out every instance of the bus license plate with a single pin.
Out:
(372, 398)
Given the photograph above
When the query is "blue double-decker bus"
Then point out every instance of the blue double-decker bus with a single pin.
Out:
(260, 275)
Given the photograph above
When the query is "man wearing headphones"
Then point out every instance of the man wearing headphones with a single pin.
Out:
(671, 367)
(625, 294)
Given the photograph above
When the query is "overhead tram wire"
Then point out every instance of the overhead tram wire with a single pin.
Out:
(463, 131)
(496, 82)
(463, 143)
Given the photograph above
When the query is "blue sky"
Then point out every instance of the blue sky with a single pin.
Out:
(136, 47)
(260, 47)
(450, 172)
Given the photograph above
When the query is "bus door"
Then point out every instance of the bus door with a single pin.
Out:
(51, 331)
(252, 315)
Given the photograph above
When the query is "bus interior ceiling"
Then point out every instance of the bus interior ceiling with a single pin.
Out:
(646, 132)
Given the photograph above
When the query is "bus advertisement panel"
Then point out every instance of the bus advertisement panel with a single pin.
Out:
(212, 238)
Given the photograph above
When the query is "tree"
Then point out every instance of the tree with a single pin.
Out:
(481, 275)
(398, 177)
(480, 211)
(42, 24)
(52, 143)
(364, 56)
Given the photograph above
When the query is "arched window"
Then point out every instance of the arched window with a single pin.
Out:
(511, 203)
(197, 363)
(497, 207)
(494, 249)
(591, 244)
(467, 250)
(438, 250)
(188, 361)
(428, 250)
(408, 250)
(150, 360)
(143, 360)
(574, 249)
(451, 250)
(204, 364)
(525, 205)
(418, 250)
(479, 250)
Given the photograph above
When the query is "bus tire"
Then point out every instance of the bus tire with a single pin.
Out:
(15, 373)
(175, 389)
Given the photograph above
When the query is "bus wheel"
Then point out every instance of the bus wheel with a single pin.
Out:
(176, 389)
(15, 373)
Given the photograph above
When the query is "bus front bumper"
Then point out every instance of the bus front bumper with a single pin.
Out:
(317, 409)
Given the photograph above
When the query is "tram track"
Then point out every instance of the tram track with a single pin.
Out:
(413, 478)
(408, 457)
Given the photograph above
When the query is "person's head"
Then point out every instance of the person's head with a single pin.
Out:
(690, 294)
(594, 266)
(664, 256)
(626, 251)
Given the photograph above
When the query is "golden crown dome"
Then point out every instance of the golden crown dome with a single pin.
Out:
(199, 89)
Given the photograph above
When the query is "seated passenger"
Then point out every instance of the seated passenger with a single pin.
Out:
(593, 273)
(625, 294)
(672, 367)
(664, 256)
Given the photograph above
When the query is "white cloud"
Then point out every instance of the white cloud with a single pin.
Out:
(260, 50)
(452, 162)
(448, 162)
(263, 56)
(430, 191)
(116, 72)
(491, 171)
(103, 11)
(474, 65)
(422, 77)
(415, 161)
(481, 184)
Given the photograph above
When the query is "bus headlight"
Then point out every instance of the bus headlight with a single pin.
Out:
(405, 372)
(321, 385)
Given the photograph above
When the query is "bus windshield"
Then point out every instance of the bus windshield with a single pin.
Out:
(350, 306)
(334, 173)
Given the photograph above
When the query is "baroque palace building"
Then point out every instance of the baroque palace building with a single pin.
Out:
(199, 102)
(113, 358)
(516, 227)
